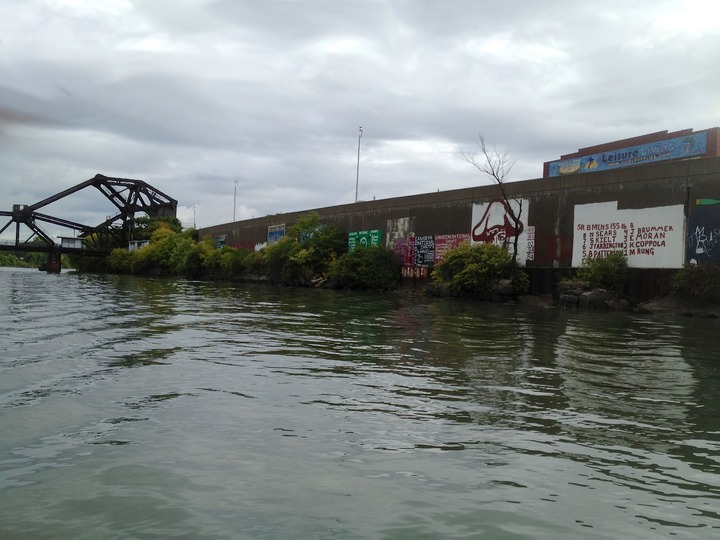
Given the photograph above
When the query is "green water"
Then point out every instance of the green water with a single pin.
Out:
(140, 408)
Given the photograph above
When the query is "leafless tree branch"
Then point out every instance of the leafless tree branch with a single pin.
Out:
(497, 166)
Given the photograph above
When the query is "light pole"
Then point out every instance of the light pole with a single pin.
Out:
(194, 223)
(357, 174)
(234, 200)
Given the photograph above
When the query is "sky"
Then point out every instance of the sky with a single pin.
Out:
(253, 107)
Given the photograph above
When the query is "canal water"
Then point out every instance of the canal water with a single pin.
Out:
(149, 408)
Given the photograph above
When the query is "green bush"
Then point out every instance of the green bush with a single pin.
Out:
(700, 282)
(472, 270)
(305, 253)
(120, 261)
(9, 259)
(282, 263)
(192, 264)
(169, 253)
(370, 268)
(609, 272)
(521, 281)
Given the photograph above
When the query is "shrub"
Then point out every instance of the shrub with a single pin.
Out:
(305, 252)
(374, 268)
(521, 281)
(609, 272)
(192, 265)
(255, 262)
(282, 262)
(325, 245)
(699, 282)
(472, 270)
(120, 261)
(169, 253)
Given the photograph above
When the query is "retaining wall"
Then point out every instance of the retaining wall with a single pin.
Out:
(661, 215)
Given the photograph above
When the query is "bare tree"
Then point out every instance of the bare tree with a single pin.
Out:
(497, 166)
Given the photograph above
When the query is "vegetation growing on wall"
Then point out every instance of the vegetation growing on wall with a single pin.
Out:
(497, 165)
(609, 272)
(476, 270)
(310, 253)
(699, 282)
(303, 256)
(372, 267)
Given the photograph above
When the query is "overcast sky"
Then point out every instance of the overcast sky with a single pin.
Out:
(194, 95)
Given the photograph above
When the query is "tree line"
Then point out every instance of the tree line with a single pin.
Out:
(311, 254)
(314, 254)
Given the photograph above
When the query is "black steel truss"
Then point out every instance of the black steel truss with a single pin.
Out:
(128, 196)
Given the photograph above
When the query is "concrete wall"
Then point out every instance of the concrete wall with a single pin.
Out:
(646, 210)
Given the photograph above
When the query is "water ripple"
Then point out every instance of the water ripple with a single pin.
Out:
(218, 410)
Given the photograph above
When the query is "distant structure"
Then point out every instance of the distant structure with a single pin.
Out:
(128, 196)
(642, 150)
(654, 198)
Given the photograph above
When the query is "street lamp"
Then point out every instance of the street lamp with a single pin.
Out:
(357, 175)
(234, 200)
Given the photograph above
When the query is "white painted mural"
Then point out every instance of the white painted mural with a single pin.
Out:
(492, 223)
(649, 237)
(398, 228)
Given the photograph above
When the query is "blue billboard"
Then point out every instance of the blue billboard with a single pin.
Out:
(275, 233)
(677, 148)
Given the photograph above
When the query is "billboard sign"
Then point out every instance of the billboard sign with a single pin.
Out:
(676, 148)
(649, 237)
(424, 250)
(275, 233)
(364, 239)
(446, 242)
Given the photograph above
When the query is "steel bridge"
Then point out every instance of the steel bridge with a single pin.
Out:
(128, 196)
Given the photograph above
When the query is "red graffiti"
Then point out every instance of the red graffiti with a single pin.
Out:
(497, 226)
(550, 248)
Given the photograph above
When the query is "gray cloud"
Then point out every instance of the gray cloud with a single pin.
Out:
(192, 95)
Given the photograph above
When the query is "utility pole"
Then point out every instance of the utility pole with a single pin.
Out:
(234, 200)
(357, 175)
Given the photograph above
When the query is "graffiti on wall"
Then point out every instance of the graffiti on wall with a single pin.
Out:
(424, 250)
(446, 242)
(703, 233)
(552, 248)
(404, 249)
(493, 223)
(364, 239)
(649, 237)
(275, 233)
(398, 228)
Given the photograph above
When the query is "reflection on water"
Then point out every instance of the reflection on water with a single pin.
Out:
(156, 408)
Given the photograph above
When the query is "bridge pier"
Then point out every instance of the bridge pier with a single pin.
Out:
(53, 264)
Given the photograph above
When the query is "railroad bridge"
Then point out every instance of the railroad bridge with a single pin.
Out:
(128, 196)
